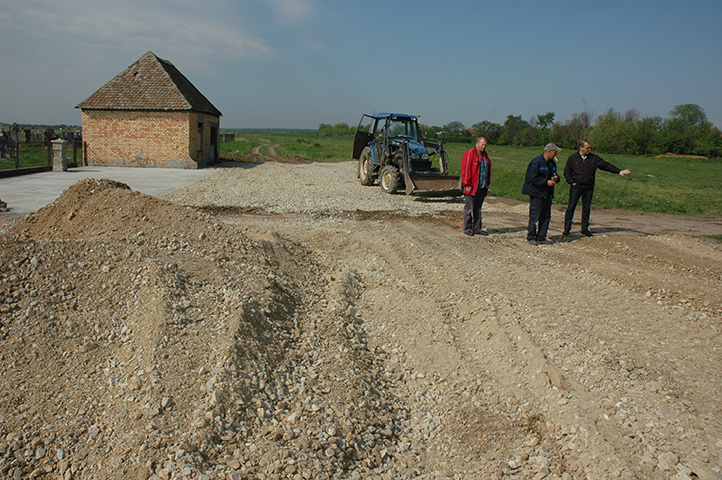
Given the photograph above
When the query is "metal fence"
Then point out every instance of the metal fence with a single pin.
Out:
(26, 150)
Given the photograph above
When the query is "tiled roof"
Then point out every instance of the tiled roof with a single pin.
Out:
(150, 83)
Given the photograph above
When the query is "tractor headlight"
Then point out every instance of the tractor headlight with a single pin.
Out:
(414, 156)
(425, 156)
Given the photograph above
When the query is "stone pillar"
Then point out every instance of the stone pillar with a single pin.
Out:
(60, 163)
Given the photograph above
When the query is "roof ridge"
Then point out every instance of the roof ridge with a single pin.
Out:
(149, 83)
(161, 63)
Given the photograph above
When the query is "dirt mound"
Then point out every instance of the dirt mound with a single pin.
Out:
(677, 155)
(141, 338)
(105, 209)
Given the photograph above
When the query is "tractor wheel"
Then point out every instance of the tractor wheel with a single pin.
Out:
(365, 174)
(389, 179)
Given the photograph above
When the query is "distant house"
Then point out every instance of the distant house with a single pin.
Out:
(149, 115)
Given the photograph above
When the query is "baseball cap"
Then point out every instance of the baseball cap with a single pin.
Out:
(551, 146)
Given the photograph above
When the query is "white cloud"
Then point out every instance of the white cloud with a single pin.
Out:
(102, 29)
(292, 11)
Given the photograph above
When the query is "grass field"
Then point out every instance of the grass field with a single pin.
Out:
(662, 185)
(318, 147)
(35, 156)
(30, 156)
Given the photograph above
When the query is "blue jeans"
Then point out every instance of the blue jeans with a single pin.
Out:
(575, 193)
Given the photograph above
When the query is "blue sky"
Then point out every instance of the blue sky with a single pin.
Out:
(299, 63)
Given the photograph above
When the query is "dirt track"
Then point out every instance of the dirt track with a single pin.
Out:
(434, 354)
(612, 343)
(271, 149)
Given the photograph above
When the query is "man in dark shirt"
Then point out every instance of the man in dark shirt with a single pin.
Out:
(580, 172)
(541, 176)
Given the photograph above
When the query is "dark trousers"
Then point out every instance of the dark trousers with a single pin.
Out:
(540, 211)
(586, 195)
(472, 210)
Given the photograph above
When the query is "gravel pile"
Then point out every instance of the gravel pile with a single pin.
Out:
(145, 340)
(318, 189)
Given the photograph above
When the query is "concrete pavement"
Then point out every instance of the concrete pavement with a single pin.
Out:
(27, 193)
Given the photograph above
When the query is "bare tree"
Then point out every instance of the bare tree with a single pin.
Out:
(632, 115)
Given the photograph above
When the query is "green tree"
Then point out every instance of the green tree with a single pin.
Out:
(546, 120)
(648, 135)
(545, 123)
(628, 134)
(342, 129)
(491, 131)
(454, 127)
(686, 130)
(428, 131)
(455, 132)
(529, 136)
(513, 128)
(606, 133)
(692, 115)
(569, 134)
(709, 144)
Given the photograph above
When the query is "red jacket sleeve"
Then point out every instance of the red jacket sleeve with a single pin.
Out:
(466, 162)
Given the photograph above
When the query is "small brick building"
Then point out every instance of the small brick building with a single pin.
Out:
(149, 115)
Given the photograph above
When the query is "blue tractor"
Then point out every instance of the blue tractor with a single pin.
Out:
(390, 149)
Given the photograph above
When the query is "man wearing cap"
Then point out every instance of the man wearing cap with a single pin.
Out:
(541, 176)
(580, 172)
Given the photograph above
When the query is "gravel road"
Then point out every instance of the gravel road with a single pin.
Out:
(279, 320)
(601, 340)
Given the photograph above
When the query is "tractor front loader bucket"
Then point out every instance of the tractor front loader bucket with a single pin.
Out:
(431, 184)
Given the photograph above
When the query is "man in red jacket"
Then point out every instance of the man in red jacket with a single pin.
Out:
(475, 179)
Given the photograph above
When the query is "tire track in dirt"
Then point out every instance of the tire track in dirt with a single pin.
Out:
(486, 323)
(469, 330)
(452, 341)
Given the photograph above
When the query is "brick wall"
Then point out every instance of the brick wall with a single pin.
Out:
(201, 129)
(138, 138)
